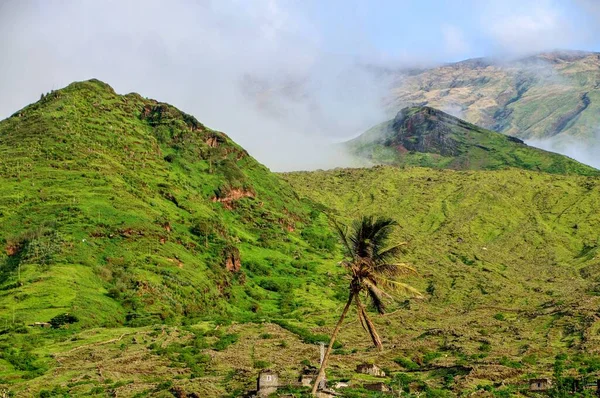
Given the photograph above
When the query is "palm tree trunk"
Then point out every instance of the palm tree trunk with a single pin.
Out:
(370, 325)
(321, 374)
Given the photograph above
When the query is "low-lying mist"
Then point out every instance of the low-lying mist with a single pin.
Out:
(585, 151)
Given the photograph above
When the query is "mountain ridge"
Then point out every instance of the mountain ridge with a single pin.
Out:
(533, 97)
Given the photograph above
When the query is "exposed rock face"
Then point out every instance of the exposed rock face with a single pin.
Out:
(213, 141)
(228, 196)
(424, 131)
(233, 262)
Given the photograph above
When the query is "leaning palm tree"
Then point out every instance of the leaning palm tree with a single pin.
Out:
(374, 273)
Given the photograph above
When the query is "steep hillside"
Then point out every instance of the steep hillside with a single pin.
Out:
(424, 136)
(545, 95)
(124, 210)
(509, 260)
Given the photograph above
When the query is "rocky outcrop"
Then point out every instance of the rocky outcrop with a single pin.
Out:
(232, 261)
(424, 131)
(228, 196)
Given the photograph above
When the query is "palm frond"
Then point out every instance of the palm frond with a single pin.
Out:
(390, 253)
(370, 326)
(394, 270)
(361, 318)
(376, 295)
(392, 286)
(342, 231)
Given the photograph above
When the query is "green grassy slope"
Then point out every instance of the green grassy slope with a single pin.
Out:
(124, 210)
(509, 261)
(423, 136)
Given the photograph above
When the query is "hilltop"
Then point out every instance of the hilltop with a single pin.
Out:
(546, 95)
(126, 211)
(424, 136)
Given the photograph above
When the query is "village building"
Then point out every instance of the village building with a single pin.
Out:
(370, 369)
(41, 324)
(267, 384)
(542, 384)
(379, 386)
(308, 376)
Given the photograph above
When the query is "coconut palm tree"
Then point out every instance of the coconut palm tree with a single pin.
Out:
(373, 272)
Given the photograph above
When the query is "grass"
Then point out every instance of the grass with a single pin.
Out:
(125, 213)
(119, 209)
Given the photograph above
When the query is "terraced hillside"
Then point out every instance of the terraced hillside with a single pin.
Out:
(424, 136)
(168, 262)
(546, 95)
(509, 260)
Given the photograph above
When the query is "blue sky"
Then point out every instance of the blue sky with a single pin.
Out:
(279, 76)
(453, 30)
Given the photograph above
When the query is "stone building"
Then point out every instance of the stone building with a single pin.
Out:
(267, 384)
(381, 387)
(543, 384)
(370, 369)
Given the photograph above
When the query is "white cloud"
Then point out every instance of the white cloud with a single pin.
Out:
(455, 43)
(518, 27)
(256, 70)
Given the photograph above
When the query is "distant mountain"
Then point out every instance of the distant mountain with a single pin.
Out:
(424, 136)
(541, 96)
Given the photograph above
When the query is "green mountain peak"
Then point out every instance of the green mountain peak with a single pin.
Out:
(425, 136)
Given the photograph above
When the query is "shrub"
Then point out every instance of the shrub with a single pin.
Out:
(63, 319)
(430, 356)
(261, 364)
(406, 363)
(225, 341)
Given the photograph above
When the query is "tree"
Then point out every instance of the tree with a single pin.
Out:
(374, 273)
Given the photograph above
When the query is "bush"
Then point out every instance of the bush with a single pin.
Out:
(305, 335)
(319, 239)
(225, 341)
(406, 363)
(261, 364)
(504, 361)
(430, 356)
(63, 319)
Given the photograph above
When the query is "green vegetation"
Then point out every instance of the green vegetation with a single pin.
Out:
(427, 137)
(122, 210)
(158, 259)
(512, 255)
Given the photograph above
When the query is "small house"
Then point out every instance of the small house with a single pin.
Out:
(543, 384)
(308, 376)
(370, 369)
(341, 384)
(41, 324)
(379, 386)
(267, 384)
